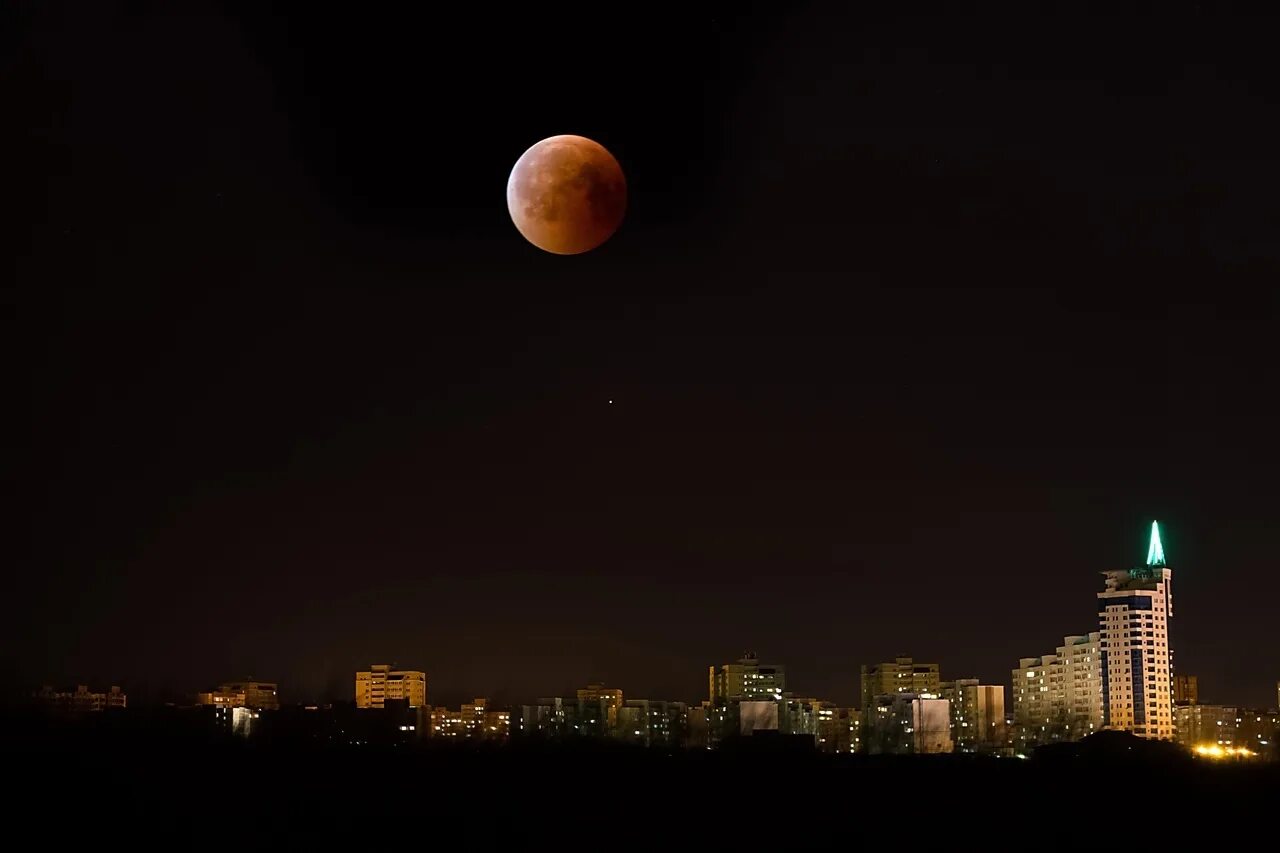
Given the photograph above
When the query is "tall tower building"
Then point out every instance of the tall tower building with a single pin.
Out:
(1134, 612)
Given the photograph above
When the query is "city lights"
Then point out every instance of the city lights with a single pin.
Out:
(1218, 753)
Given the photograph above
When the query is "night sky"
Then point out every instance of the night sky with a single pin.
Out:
(912, 328)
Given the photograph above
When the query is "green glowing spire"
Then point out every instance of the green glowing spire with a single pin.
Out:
(1155, 553)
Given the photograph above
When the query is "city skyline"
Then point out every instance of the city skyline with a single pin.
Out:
(1096, 719)
(906, 323)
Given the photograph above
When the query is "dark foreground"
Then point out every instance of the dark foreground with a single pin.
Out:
(152, 792)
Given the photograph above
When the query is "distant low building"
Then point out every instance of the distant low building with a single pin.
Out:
(799, 715)
(1254, 729)
(731, 685)
(699, 734)
(598, 708)
(977, 715)
(909, 724)
(1186, 690)
(746, 678)
(1202, 725)
(381, 684)
(258, 695)
(549, 718)
(221, 699)
(82, 699)
(652, 722)
(1058, 697)
(474, 721)
(1257, 730)
(237, 719)
(839, 729)
(900, 675)
(756, 715)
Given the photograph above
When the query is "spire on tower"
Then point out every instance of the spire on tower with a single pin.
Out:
(1155, 553)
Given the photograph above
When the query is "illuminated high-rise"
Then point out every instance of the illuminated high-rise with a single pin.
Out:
(1134, 614)
(746, 679)
(901, 675)
(1059, 696)
(380, 684)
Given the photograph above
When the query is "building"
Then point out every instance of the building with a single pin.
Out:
(598, 708)
(1257, 730)
(908, 724)
(82, 699)
(699, 734)
(746, 679)
(1058, 697)
(1080, 656)
(839, 729)
(380, 684)
(651, 722)
(1206, 725)
(902, 675)
(1134, 614)
(755, 715)
(258, 695)
(1186, 690)
(799, 716)
(474, 721)
(977, 715)
(221, 699)
(549, 718)
(1037, 717)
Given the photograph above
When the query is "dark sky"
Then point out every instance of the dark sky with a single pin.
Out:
(912, 328)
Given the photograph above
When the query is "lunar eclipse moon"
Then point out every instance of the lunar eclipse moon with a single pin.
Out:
(567, 194)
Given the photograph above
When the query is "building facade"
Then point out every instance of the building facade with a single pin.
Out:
(901, 675)
(652, 722)
(746, 679)
(1135, 611)
(1186, 690)
(1058, 697)
(221, 699)
(82, 699)
(380, 684)
(474, 721)
(598, 708)
(909, 724)
(1256, 730)
(977, 715)
(258, 695)
(839, 729)
(1205, 725)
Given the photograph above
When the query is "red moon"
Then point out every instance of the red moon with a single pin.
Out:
(567, 195)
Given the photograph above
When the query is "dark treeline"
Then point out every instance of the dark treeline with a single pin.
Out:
(148, 784)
